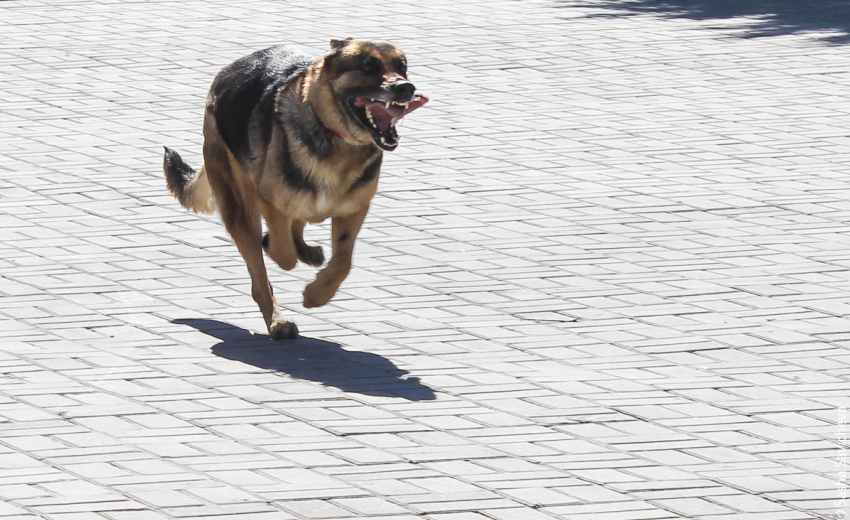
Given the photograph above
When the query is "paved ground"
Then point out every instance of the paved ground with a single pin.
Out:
(606, 277)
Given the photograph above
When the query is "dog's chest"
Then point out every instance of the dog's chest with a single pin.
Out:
(316, 207)
(322, 189)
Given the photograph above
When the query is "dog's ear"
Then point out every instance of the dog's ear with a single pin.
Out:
(335, 51)
(339, 44)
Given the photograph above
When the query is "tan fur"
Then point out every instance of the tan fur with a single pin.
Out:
(201, 198)
(335, 175)
(261, 193)
(304, 88)
(322, 98)
(247, 195)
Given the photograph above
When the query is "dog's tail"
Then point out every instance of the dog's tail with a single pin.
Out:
(191, 188)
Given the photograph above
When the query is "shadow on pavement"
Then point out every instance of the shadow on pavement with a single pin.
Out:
(757, 17)
(315, 360)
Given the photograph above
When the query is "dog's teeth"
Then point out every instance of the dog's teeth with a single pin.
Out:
(388, 104)
(370, 118)
(383, 141)
(406, 105)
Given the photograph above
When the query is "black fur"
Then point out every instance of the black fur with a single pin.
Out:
(292, 174)
(302, 121)
(364, 62)
(264, 141)
(369, 174)
(177, 173)
(244, 95)
(400, 66)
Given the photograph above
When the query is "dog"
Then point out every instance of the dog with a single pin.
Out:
(292, 139)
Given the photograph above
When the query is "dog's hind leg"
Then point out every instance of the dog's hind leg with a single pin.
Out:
(244, 225)
(343, 233)
(310, 255)
(246, 231)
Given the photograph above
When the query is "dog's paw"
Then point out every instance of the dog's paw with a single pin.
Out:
(312, 255)
(283, 330)
(316, 295)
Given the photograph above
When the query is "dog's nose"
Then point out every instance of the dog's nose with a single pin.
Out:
(403, 89)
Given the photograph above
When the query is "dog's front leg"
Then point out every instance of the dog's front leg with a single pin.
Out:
(310, 255)
(278, 242)
(343, 234)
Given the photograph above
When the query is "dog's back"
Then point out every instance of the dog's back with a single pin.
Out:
(242, 96)
(242, 100)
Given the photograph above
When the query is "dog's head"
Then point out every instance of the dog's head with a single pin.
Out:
(368, 82)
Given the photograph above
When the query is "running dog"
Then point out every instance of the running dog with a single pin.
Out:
(290, 139)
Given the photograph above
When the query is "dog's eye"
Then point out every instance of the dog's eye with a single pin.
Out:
(371, 66)
(400, 66)
(365, 64)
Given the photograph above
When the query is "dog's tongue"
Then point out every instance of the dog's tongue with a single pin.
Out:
(384, 116)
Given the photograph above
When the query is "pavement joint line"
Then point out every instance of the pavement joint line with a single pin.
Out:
(604, 275)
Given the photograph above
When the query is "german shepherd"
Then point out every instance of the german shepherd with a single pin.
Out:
(292, 139)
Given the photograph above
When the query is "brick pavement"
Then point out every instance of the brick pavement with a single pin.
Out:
(605, 277)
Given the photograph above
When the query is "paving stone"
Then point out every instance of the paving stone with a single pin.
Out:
(604, 276)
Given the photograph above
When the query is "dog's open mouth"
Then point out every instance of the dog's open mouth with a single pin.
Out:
(380, 117)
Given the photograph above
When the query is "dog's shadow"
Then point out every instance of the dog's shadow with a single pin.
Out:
(315, 360)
